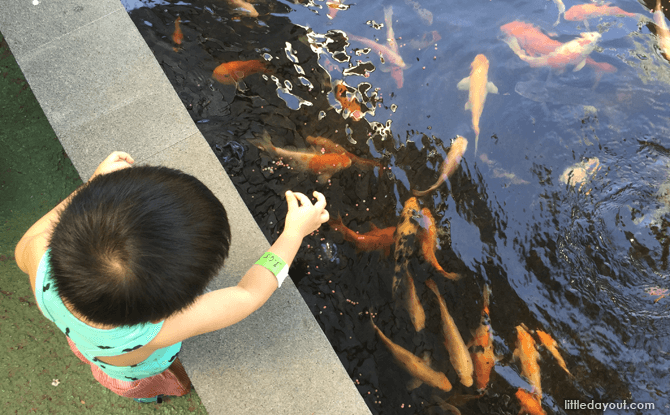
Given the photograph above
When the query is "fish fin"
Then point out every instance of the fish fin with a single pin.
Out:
(264, 143)
(476, 143)
(490, 87)
(579, 66)
(468, 105)
(464, 84)
(385, 68)
(414, 383)
(373, 226)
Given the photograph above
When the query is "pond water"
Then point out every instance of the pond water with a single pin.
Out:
(562, 213)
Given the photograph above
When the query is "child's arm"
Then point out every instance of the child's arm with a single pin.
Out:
(222, 308)
(34, 242)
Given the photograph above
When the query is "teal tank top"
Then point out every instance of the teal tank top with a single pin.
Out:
(93, 342)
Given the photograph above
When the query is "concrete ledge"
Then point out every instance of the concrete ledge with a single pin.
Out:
(102, 90)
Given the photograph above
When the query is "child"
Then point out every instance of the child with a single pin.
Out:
(120, 266)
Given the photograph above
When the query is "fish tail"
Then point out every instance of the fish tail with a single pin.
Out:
(476, 142)
(264, 143)
(450, 275)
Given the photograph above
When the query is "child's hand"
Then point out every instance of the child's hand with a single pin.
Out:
(306, 218)
(116, 161)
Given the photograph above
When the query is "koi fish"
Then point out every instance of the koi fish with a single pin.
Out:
(383, 50)
(324, 165)
(403, 234)
(479, 86)
(413, 364)
(428, 239)
(580, 172)
(482, 353)
(530, 404)
(177, 36)
(330, 147)
(662, 31)
(396, 71)
(551, 345)
(590, 11)
(375, 239)
(449, 165)
(246, 6)
(334, 6)
(426, 40)
(424, 14)
(561, 10)
(527, 354)
(229, 73)
(573, 52)
(458, 353)
(349, 104)
(536, 43)
(500, 173)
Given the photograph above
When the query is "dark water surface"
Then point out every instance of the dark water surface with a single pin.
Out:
(585, 262)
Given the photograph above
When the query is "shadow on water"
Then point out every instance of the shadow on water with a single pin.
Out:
(563, 213)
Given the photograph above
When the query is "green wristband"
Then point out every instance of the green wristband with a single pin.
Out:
(275, 265)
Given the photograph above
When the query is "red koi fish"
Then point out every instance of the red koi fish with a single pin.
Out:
(527, 354)
(573, 52)
(324, 165)
(375, 239)
(590, 11)
(453, 342)
(536, 43)
(396, 71)
(551, 345)
(449, 165)
(428, 240)
(662, 31)
(530, 403)
(413, 364)
(349, 104)
(482, 353)
(478, 86)
(385, 51)
(177, 36)
(232, 72)
(328, 146)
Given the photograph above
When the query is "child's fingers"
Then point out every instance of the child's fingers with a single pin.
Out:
(291, 200)
(304, 200)
(325, 216)
(320, 200)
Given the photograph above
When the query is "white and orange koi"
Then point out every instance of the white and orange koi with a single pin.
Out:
(528, 356)
(384, 51)
(482, 354)
(479, 87)
(246, 6)
(551, 345)
(413, 364)
(662, 31)
(561, 10)
(530, 403)
(428, 240)
(453, 342)
(574, 52)
(449, 165)
(396, 71)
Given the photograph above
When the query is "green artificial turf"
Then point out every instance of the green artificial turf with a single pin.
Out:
(35, 175)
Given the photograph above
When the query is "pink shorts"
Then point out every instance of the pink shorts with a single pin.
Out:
(173, 381)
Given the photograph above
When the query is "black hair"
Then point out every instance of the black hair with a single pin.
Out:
(138, 245)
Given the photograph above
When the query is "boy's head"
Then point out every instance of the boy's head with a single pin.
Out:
(137, 245)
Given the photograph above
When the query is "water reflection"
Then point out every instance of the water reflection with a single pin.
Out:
(562, 216)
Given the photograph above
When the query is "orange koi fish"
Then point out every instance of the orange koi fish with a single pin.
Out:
(482, 352)
(536, 43)
(449, 165)
(414, 365)
(385, 51)
(177, 36)
(375, 239)
(453, 342)
(246, 6)
(428, 239)
(404, 231)
(662, 31)
(324, 165)
(527, 354)
(589, 11)
(396, 71)
(330, 147)
(573, 52)
(551, 345)
(479, 86)
(349, 104)
(530, 403)
(231, 72)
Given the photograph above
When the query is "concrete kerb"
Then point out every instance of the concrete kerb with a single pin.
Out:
(101, 95)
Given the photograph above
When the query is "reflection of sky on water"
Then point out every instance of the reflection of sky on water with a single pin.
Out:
(576, 262)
